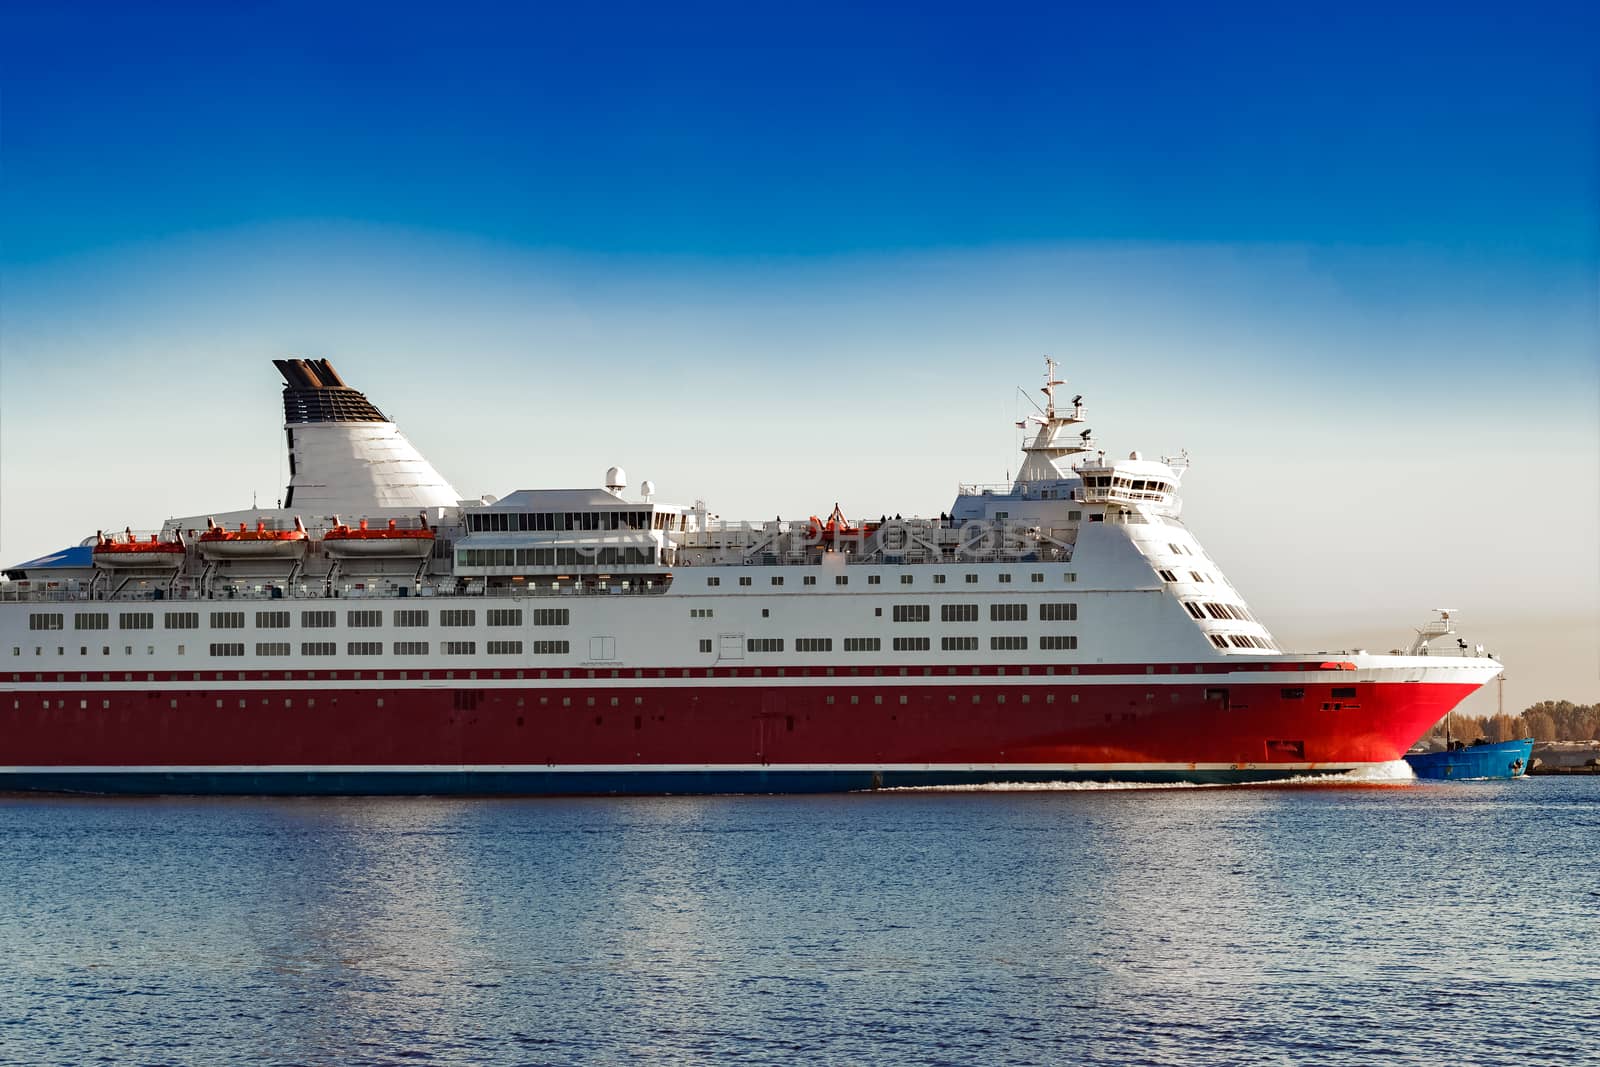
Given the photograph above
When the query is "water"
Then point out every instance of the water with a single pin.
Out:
(1420, 923)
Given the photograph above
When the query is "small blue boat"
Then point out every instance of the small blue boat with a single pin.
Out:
(1483, 759)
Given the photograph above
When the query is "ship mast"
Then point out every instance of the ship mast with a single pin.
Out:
(1051, 443)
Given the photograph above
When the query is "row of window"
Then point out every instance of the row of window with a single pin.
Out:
(1138, 485)
(310, 619)
(1172, 576)
(609, 556)
(537, 521)
(1063, 612)
(1217, 611)
(1007, 643)
(400, 648)
(714, 580)
(1241, 641)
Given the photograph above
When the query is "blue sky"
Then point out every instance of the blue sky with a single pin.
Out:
(788, 256)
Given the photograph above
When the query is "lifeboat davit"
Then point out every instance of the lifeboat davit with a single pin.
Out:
(390, 542)
(219, 542)
(134, 554)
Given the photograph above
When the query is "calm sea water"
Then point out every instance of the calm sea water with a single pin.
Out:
(1452, 923)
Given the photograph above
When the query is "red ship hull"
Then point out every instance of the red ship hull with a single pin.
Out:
(732, 730)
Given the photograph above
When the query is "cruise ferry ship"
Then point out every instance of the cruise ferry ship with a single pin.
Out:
(377, 633)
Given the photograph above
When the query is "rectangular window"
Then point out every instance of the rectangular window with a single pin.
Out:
(45, 620)
(461, 648)
(705, 644)
(1008, 613)
(912, 613)
(505, 616)
(1344, 692)
(713, 581)
(1036, 576)
(911, 644)
(319, 648)
(958, 613)
(227, 620)
(1167, 576)
(813, 644)
(745, 580)
(272, 648)
(272, 620)
(1008, 643)
(1218, 640)
(364, 648)
(552, 616)
(777, 579)
(700, 613)
(411, 617)
(458, 617)
(1005, 579)
(905, 579)
(938, 579)
(227, 650)
(764, 644)
(874, 579)
(863, 644)
(411, 648)
(551, 648)
(364, 618)
(1058, 613)
(94, 620)
(841, 579)
(1193, 609)
(505, 648)
(1058, 642)
(318, 620)
(810, 579)
(183, 620)
(958, 644)
(972, 579)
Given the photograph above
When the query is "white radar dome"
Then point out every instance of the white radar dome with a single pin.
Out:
(616, 479)
(1134, 455)
(648, 488)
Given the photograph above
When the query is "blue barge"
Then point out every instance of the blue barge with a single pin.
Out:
(1501, 759)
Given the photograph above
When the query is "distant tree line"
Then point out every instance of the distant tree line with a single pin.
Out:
(1548, 720)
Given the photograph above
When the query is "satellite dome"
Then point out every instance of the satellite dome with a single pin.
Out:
(616, 479)
(1134, 455)
(647, 488)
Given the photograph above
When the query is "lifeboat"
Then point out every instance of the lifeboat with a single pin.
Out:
(837, 527)
(389, 542)
(221, 543)
(134, 554)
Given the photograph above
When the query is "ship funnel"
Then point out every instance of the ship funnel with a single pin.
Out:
(345, 454)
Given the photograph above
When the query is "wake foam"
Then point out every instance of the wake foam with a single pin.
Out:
(1045, 787)
(1394, 772)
